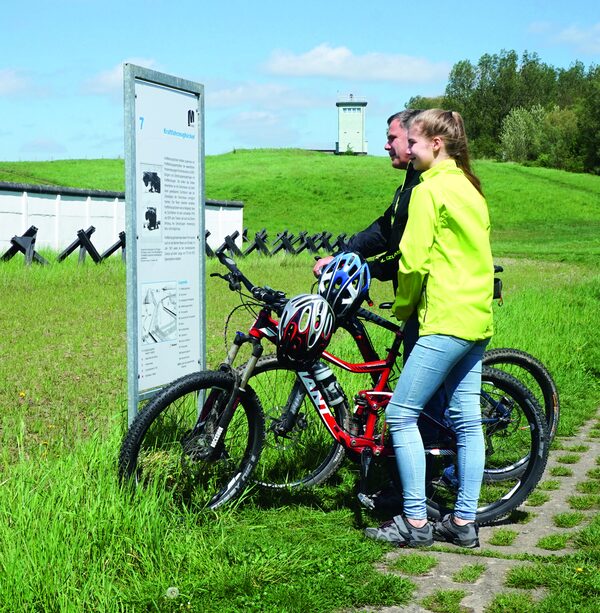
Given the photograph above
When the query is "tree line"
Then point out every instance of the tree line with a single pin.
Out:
(526, 111)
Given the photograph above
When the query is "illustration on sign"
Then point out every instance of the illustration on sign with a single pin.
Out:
(159, 312)
(151, 200)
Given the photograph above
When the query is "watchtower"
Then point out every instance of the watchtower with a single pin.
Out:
(351, 125)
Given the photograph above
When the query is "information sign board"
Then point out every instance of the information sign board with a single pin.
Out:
(164, 120)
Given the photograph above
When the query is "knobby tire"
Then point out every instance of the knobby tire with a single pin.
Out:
(166, 446)
(516, 451)
(533, 375)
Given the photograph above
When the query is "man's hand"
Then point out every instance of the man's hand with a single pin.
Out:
(320, 264)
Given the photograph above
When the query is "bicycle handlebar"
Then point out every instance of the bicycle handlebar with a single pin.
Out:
(273, 298)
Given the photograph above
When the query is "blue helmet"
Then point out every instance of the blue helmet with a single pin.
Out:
(344, 283)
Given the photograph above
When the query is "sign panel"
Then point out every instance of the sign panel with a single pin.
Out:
(165, 230)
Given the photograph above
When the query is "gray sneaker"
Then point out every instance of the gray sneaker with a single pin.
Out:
(464, 536)
(401, 533)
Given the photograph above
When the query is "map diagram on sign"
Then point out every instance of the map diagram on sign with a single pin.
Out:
(159, 312)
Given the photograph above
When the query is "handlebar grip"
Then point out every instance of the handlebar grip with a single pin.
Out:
(275, 299)
(231, 266)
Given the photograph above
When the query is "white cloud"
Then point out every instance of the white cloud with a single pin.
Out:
(539, 27)
(12, 82)
(43, 146)
(339, 62)
(266, 95)
(586, 40)
(258, 129)
(110, 82)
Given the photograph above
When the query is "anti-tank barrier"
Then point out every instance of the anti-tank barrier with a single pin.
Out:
(284, 242)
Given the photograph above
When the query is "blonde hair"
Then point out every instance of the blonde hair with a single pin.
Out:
(449, 126)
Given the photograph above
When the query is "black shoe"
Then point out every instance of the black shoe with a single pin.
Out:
(401, 533)
(464, 536)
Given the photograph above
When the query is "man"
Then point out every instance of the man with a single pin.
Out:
(384, 234)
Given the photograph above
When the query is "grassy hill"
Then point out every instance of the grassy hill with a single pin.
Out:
(536, 212)
(72, 540)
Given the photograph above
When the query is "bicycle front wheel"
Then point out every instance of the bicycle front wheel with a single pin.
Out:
(516, 452)
(298, 451)
(171, 443)
(533, 375)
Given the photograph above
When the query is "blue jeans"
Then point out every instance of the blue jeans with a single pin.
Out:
(456, 364)
(436, 405)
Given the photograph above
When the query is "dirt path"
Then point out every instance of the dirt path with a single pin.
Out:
(527, 540)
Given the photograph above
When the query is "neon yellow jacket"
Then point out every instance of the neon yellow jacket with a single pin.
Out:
(446, 268)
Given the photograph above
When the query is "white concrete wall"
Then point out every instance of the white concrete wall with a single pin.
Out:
(223, 221)
(58, 216)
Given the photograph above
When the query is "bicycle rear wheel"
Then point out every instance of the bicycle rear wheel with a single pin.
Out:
(301, 453)
(533, 375)
(168, 446)
(516, 452)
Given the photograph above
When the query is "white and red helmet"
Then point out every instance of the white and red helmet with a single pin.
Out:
(305, 329)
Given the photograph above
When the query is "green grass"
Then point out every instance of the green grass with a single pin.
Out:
(76, 541)
(521, 517)
(85, 174)
(571, 583)
(537, 499)
(589, 487)
(503, 537)
(585, 502)
(71, 540)
(561, 471)
(569, 458)
(549, 485)
(444, 601)
(511, 603)
(553, 542)
(414, 564)
(577, 448)
(568, 520)
(469, 573)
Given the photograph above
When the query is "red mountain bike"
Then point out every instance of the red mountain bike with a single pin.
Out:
(204, 437)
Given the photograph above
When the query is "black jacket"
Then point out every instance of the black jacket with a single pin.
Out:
(383, 236)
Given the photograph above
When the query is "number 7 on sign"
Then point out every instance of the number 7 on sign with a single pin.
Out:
(141, 122)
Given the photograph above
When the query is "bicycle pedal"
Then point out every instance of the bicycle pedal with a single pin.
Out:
(437, 451)
(366, 501)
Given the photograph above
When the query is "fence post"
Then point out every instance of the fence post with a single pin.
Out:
(115, 215)
(57, 203)
(88, 203)
(24, 212)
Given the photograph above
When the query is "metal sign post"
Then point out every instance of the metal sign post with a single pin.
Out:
(164, 168)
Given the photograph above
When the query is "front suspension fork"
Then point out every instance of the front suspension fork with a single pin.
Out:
(239, 382)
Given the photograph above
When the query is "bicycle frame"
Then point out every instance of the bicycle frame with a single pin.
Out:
(369, 403)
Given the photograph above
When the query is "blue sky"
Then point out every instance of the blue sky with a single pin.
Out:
(272, 70)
